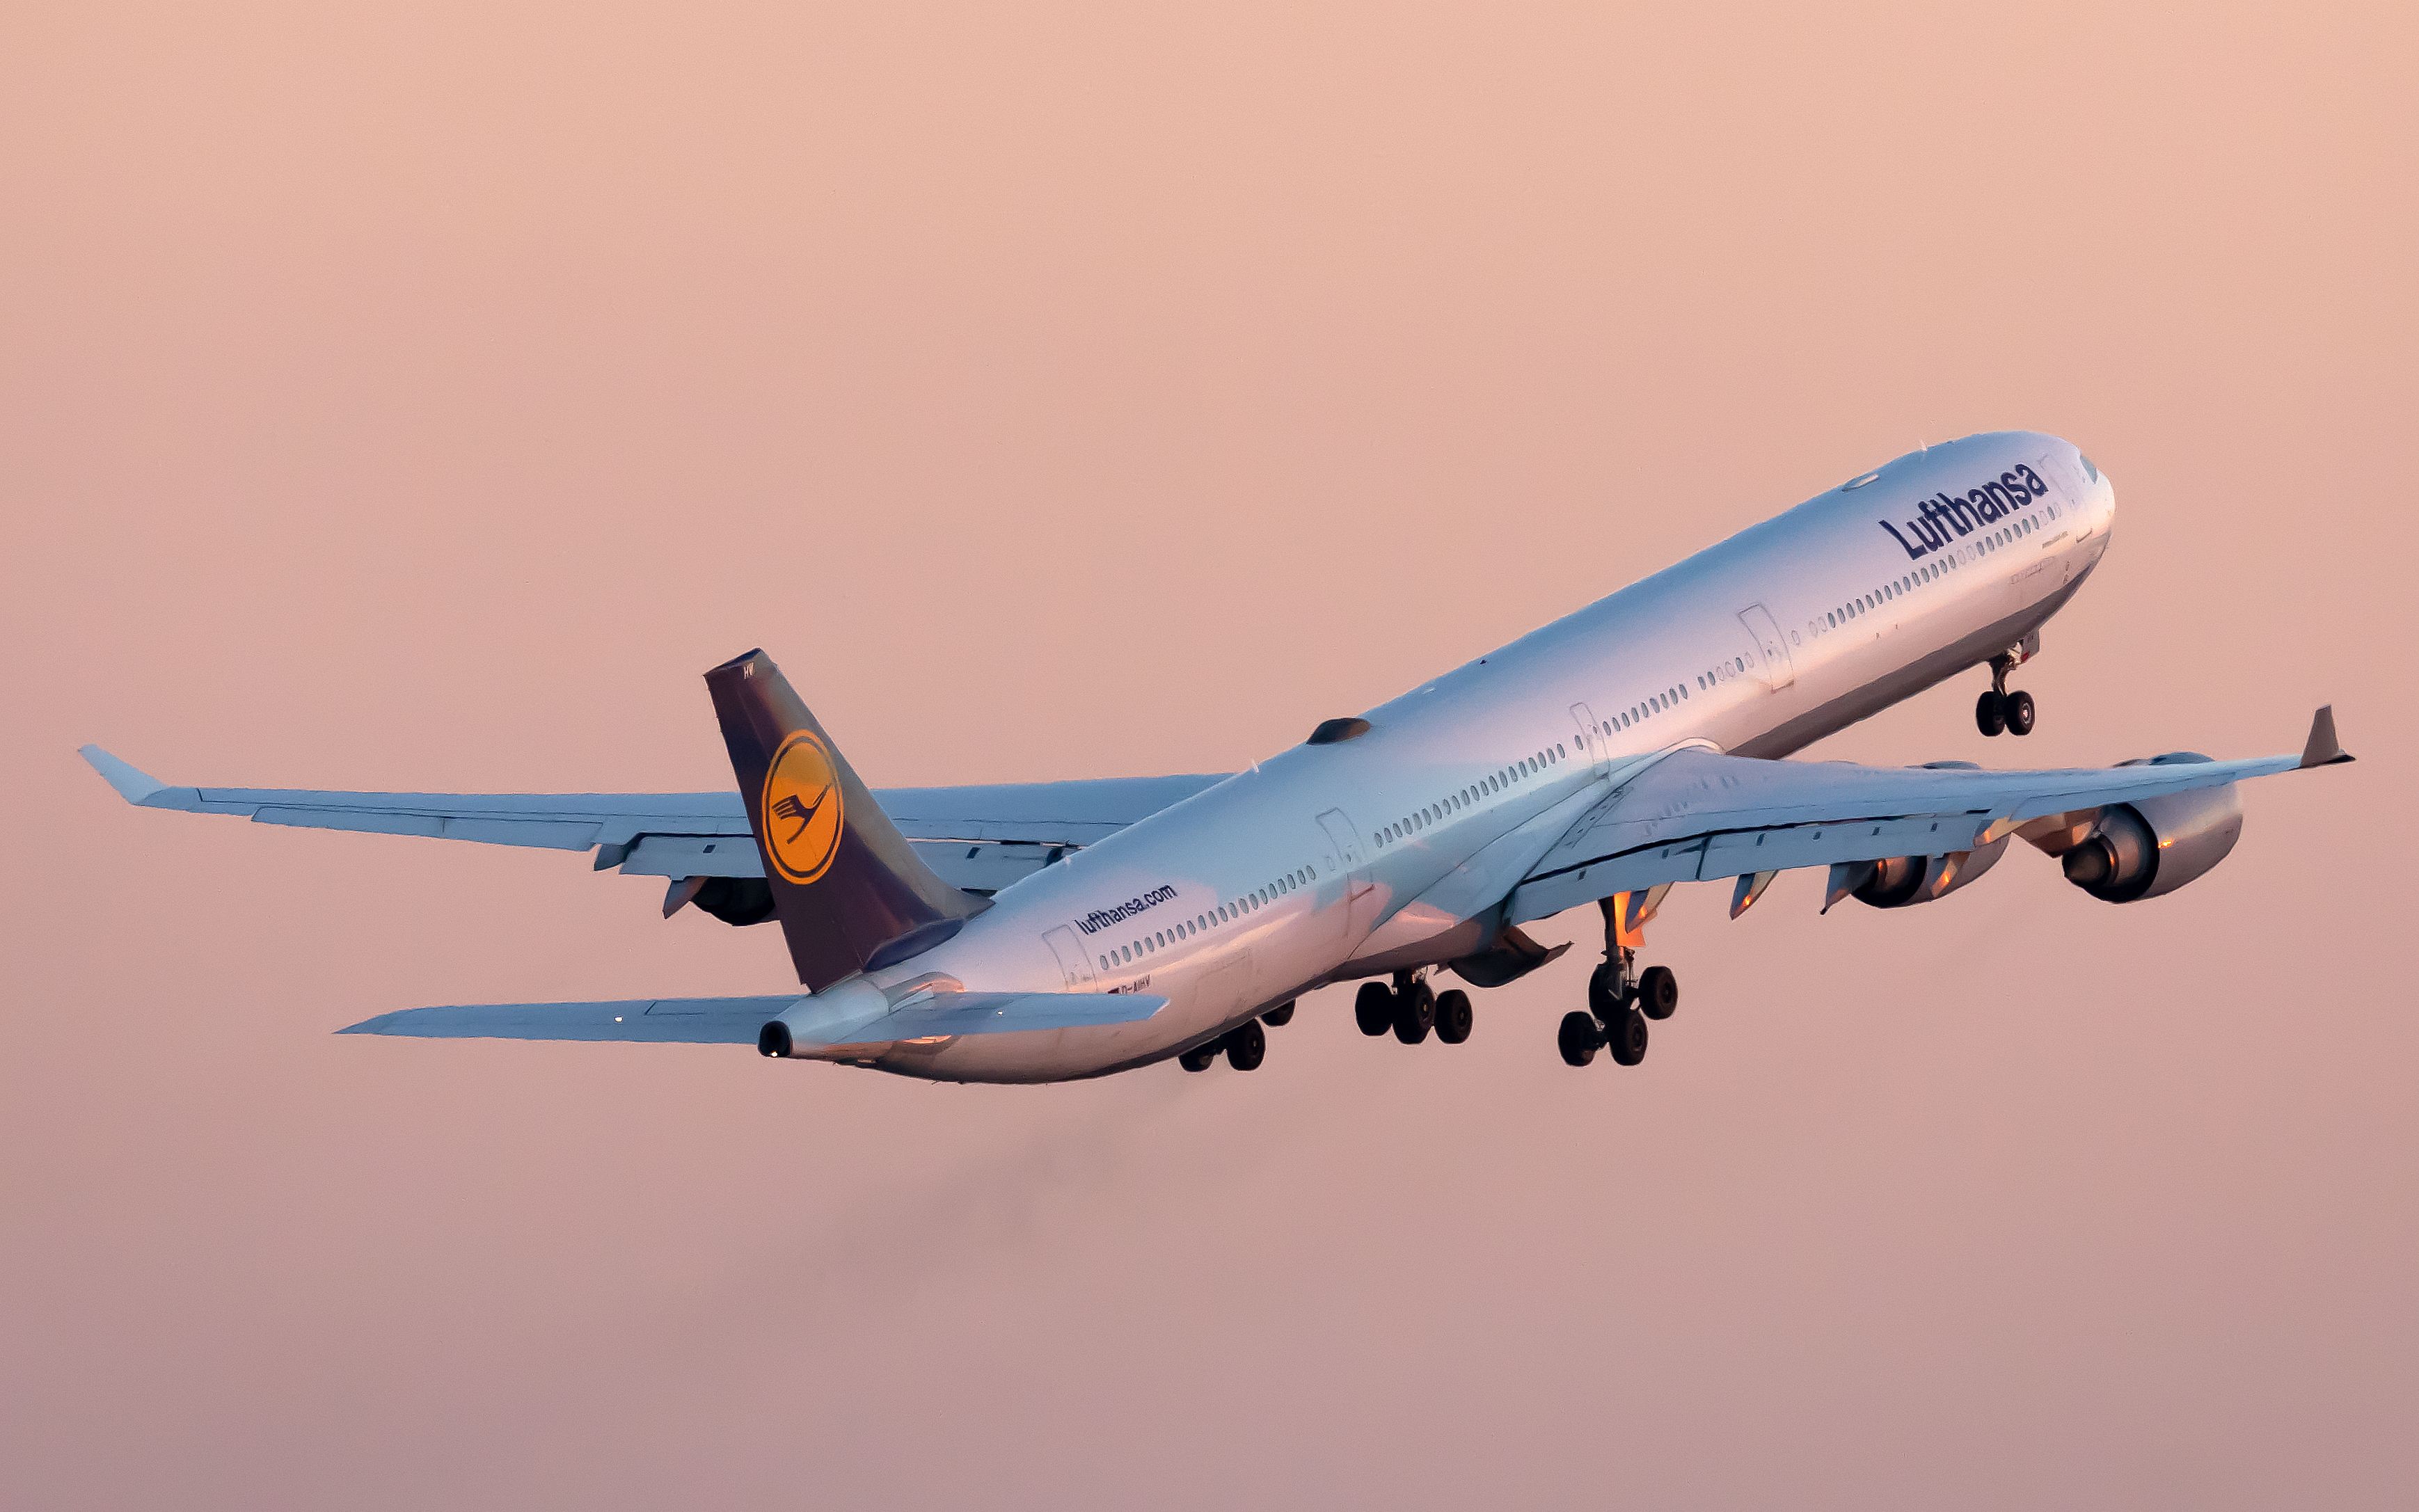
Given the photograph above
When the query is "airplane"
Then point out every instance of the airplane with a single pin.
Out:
(1054, 931)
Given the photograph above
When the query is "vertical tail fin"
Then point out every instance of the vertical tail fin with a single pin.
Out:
(850, 892)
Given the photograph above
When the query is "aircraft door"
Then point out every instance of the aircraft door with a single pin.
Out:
(1360, 893)
(1592, 738)
(1778, 671)
(1074, 962)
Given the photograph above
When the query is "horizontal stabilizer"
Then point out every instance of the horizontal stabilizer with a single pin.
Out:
(643, 1021)
(741, 1020)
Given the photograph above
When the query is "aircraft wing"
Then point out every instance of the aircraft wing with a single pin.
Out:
(980, 837)
(1696, 815)
(737, 1020)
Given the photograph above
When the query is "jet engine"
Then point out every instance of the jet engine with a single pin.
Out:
(733, 900)
(2131, 851)
(1901, 881)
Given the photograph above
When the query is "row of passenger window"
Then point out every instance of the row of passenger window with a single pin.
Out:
(1520, 771)
(1251, 902)
(1638, 713)
(1864, 604)
(1711, 677)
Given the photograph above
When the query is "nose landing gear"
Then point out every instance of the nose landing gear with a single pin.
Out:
(2000, 709)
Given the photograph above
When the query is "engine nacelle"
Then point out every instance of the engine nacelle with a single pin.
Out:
(735, 899)
(2140, 850)
(1902, 880)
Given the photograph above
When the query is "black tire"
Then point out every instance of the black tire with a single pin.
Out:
(1279, 1016)
(1578, 1037)
(1198, 1057)
(1247, 1047)
(1453, 1016)
(1604, 997)
(1990, 713)
(1627, 1037)
(1415, 1013)
(2017, 709)
(1373, 1008)
(1658, 991)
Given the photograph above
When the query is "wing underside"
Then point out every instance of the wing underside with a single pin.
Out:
(980, 837)
(1696, 815)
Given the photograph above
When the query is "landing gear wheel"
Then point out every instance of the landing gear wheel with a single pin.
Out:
(1453, 1016)
(1373, 1008)
(1658, 991)
(1578, 1037)
(1607, 990)
(1415, 1013)
(2017, 709)
(1279, 1016)
(1199, 1058)
(1990, 713)
(1627, 1035)
(1247, 1047)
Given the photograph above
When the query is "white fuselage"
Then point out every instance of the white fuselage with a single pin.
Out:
(1396, 848)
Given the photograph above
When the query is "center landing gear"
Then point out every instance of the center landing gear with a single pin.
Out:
(1244, 1049)
(1410, 1008)
(2000, 709)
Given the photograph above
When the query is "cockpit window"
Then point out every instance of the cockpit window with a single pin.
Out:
(2089, 471)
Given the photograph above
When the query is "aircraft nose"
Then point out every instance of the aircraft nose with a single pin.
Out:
(2100, 498)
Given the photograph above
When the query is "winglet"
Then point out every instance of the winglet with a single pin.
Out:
(2323, 750)
(133, 785)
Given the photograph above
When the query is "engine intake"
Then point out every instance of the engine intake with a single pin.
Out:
(2141, 850)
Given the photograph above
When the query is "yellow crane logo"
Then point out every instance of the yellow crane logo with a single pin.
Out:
(803, 809)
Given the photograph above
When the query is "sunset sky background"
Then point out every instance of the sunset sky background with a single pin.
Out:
(425, 400)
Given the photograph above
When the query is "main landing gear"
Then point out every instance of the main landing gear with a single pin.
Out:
(1244, 1047)
(1411, 1008)
(2000, 709)
(1621, 1000)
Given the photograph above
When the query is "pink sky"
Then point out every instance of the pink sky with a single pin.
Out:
(426, 402)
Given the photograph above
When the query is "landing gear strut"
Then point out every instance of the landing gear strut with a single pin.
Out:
(2000, 709)
(1414, 1009)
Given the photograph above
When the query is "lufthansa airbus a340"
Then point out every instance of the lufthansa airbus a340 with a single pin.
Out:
(1030, 932)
